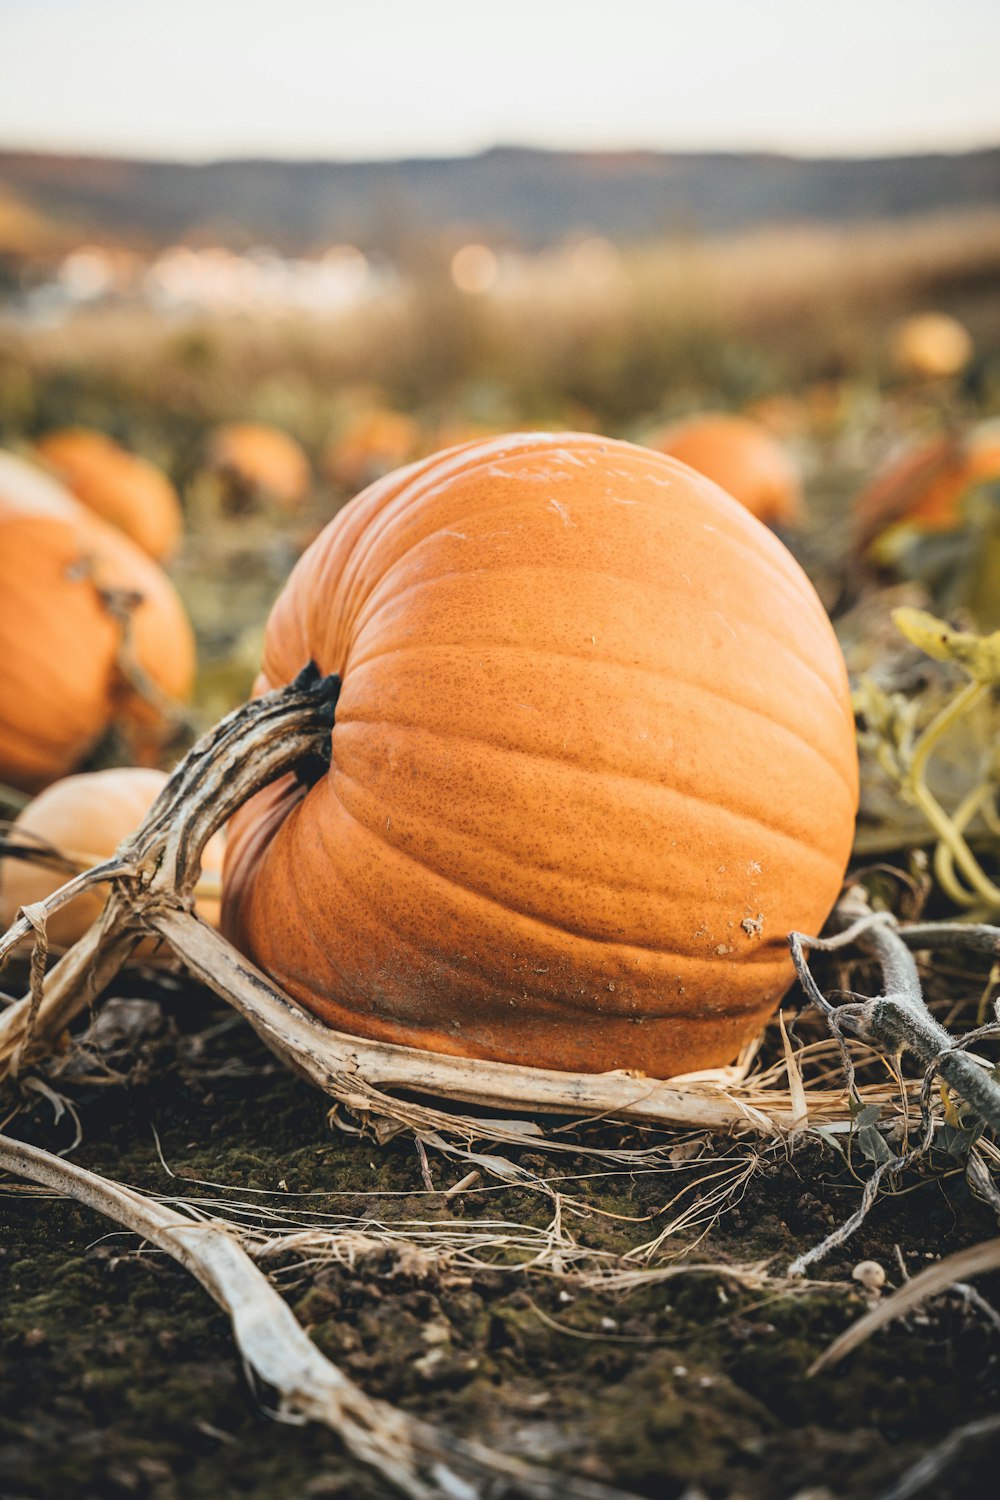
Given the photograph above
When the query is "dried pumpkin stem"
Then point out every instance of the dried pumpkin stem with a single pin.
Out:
(158, 866)
(418, 1459)
(287, 730)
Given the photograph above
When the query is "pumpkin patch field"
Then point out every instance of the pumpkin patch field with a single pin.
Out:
(500, 891)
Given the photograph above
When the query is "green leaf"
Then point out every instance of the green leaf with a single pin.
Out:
(872, 1144)
(866, 1116)
(955, 1141)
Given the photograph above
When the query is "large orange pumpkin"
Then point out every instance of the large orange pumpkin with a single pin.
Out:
(743, 457)
(593, 758)
(925, 484)
(84, 818)
(120, 487)
(65, 580)
(261, 460)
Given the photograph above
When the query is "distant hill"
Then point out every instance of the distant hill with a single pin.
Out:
(520, 196)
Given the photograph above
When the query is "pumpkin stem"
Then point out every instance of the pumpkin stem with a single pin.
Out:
(159, 864)
(281, 732)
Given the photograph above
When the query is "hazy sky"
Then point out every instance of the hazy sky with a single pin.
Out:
(369, 78)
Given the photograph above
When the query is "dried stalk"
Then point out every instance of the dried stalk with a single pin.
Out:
(412, 1455)
(930, 1467)
(898, 1020)
(357, 1071)
(158, 866)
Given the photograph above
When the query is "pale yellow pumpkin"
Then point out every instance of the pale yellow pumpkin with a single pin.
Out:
(84, 818)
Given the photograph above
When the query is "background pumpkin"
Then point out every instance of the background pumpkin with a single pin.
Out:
(61, 682)
(743, 457)
(123, 489)
(373, 443)
(925, 483)
(86, 817)
(261, 460)
(931, 345)
(594, 757)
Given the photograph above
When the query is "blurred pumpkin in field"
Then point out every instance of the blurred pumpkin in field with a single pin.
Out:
(260, 462)
(932, 515)
(931, 346)
(116, 485)
(372, 443)
(454, 434)
(743, 457)
(924, 484)
(81, 820)
(783, 415)
(92, 633)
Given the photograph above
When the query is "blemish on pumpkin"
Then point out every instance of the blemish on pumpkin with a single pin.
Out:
(753, 926)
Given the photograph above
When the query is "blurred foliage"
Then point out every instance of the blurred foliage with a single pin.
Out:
(938, 749)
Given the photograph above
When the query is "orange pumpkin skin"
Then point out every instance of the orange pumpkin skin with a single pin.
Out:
(86, 817)
(121, 488)
(926, 484)
(743, 457)
(60, 682)
(263, 459)
(593, 759)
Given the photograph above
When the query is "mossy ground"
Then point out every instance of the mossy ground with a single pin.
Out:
(118, 1376)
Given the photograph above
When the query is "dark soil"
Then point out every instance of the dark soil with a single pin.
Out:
(118, 1376)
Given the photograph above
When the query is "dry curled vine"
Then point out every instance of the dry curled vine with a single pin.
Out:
(898, 1021)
